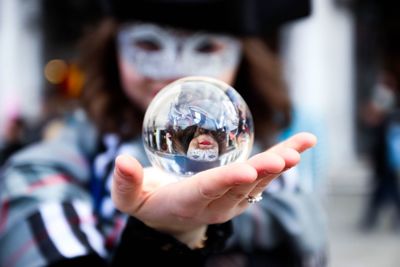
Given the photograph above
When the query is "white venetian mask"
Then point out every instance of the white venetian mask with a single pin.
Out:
(163, 53)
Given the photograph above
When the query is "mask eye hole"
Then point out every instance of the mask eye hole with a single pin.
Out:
(209, 46)
(147, 44)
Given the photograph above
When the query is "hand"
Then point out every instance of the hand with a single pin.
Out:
(185, 208)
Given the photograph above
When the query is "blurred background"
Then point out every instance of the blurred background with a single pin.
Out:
(340, 63)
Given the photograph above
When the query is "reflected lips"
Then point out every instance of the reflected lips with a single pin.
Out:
(205, 144)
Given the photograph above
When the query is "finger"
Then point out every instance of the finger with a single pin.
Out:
(282, 156)
(290, 156)
(267, 163)
(270, 165)
(127, 183)
(287, 156)
(299, 142)
(230, 201)
(214, 183)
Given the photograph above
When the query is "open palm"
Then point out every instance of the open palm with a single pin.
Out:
(212, 196)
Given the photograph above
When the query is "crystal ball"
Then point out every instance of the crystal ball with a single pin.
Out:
(197, 123)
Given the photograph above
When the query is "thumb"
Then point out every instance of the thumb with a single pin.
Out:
(127, 183)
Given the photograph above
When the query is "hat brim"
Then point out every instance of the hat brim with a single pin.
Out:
(237, 17)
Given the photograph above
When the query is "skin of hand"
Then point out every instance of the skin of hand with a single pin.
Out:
(184, 209)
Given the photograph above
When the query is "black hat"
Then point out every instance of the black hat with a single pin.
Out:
(238, 17)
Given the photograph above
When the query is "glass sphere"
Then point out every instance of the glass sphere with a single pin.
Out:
(197, 123)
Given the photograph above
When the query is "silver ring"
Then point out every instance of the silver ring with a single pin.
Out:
(255, 199)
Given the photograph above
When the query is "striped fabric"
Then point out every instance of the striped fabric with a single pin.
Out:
(53, 232)
(51, 210)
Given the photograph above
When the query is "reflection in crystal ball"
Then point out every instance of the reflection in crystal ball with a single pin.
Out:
(197, 123)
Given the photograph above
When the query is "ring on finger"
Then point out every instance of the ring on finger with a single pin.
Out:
(254, 199)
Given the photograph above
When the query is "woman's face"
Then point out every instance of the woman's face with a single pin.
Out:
(150, 57)
(203, 147)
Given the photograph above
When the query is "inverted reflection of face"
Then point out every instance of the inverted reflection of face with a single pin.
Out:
(163, 53)
(203, 148)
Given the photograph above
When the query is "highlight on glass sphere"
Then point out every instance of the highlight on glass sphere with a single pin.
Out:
(197, 123)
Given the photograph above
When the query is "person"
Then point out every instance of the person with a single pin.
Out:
(381, 118)
(89, 196)
(380, 114)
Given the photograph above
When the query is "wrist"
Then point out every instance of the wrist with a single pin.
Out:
(194, 239)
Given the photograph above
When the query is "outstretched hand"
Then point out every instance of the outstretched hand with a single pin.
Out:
(185, 208)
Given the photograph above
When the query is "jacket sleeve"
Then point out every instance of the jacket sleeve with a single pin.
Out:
(46, 210)
(140, 244)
